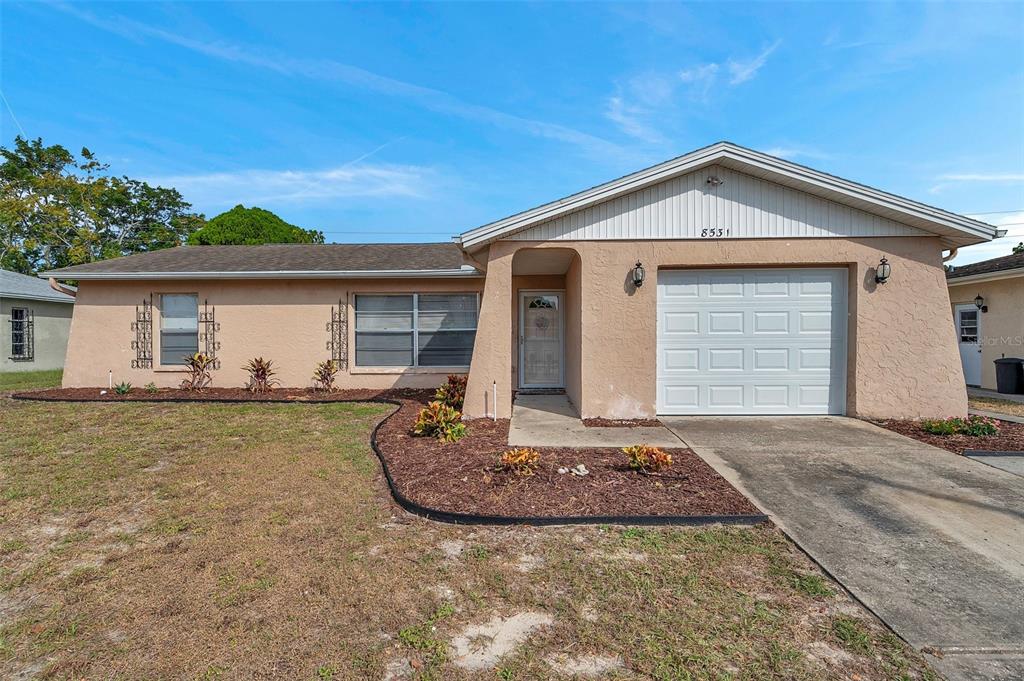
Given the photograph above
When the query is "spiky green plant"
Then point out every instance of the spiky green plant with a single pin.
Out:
(261, 375)
(323, 375)
(199, 366)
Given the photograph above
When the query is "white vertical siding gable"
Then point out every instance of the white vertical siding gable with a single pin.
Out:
(743, 207)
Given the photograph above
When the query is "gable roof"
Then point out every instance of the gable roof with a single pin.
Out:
(280, 261)
(957, 230)
(1002, 264)
(15, 285)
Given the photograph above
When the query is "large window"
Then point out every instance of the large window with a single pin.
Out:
(426, 330)
(22, 342)
(179, 327)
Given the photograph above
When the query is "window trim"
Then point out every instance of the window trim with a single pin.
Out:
(415, 367)
(158, 335)
(28, 350)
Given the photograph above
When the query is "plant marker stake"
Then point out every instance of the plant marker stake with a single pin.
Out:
(494, 385)
(110, 379)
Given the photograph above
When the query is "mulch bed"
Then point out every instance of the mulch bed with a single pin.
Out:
(1009, 439)
(463, 477)
(221, 394)
(620, 423)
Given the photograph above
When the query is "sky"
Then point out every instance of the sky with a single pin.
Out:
(414, 122)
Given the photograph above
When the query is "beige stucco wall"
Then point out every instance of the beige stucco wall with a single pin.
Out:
(1002, 327)
(52, 323)
(903, 359)
(282, 320)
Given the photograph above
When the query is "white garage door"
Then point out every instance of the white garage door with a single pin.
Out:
(752, 341)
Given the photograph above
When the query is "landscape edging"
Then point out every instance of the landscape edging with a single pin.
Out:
(452, 517)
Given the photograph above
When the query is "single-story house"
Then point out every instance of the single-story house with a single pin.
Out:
(35, 321)
(724, 281)
(988, 313)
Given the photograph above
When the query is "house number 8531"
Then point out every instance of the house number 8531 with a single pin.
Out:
(713, 233)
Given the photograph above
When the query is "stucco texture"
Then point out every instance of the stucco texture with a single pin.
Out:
(282, 320)
(1002, 327)
(51, 328)
(903, 359)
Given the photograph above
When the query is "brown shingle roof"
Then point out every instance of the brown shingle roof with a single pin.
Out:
(277, 258)
(1006, 262)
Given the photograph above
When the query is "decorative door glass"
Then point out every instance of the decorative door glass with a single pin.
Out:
(542, 340)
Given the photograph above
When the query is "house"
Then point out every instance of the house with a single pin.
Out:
(35, 321)
(724, 281)
(988, 313)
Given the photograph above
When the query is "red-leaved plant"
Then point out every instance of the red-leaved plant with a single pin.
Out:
(261, 375)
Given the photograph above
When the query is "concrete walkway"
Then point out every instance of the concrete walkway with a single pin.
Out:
(551, 421)
(932, 542)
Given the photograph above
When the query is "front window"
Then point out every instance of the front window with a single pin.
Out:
(179, 327)
(426, 330)
(21, 334)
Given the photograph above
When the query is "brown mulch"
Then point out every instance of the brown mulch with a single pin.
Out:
(215, 394)
(619, 423)
(1009, 439)
(463, 477)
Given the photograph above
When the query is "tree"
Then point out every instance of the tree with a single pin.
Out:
(58, 210)
(251, 226)
(1019, 248)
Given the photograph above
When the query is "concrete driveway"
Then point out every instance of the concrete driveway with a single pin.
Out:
(933, 543)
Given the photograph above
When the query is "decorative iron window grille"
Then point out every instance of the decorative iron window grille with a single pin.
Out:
(338, 330)
(143, 329)
(23, 342)
(208, 334)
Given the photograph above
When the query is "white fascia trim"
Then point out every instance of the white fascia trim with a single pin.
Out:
(462, 273)
(708, 156)
(21, 296)
(986, 276)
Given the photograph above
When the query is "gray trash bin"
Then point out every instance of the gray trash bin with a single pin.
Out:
(1010, 375)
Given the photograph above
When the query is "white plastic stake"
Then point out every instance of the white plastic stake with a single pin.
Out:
(110, 379)
(494, 388)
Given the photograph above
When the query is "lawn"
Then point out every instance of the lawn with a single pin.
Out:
(23, 380)
(996, 405)
(232, 541)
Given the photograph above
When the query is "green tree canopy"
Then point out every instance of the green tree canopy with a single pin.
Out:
(1019, 248)
(58, 210)
(252, 226)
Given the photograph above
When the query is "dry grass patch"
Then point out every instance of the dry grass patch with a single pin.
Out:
(996, 405)
(240, 541)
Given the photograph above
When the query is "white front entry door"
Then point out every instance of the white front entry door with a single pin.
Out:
(764, 341)
(541, 340)
(968, 331)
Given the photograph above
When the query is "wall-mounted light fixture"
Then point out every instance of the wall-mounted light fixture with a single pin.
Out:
(883, 271)
(638, 275)
(714, 180)
(979, 303)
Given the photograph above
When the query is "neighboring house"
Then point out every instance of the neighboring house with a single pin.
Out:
(988, 311)
(35, 321)
(758, 296)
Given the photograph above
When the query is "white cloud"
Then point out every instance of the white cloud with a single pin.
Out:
(1013, 223)
(742, 71)
(630, 120)
(945, 181)
(793, 152)
(277, 187)
(334, 71)
(701, 78)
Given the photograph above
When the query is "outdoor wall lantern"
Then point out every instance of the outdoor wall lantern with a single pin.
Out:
(638, 274)
(979, 303)
(883, 271)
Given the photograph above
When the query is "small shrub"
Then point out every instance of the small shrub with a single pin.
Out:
(974, 426)
(199, 366)
(123, 388)
(440, 421)
(323, 375)
(519, 461)
(261, 375)
(647, 459)
(453, 391)
(151, 388)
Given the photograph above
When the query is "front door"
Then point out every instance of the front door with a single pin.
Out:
(968, 331)
(541, 346)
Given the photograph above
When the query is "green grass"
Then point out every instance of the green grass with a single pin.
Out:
(23, 380)
(266, 533)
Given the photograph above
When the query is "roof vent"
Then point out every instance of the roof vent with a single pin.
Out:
(714, 180)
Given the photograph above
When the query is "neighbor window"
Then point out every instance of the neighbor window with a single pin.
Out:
(22, 342)
(426, 330)
(179, 327)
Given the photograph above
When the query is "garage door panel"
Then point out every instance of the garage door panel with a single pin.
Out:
(754, 341)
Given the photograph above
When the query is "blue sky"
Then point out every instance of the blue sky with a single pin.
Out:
(413, 122)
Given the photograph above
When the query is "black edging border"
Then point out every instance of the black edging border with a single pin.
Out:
(455, 517)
